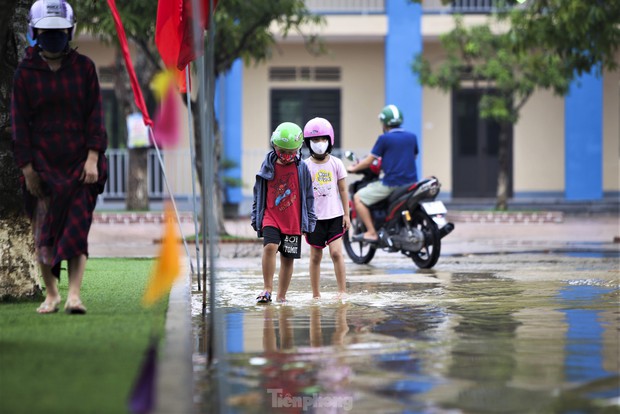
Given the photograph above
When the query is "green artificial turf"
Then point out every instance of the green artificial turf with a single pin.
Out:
(61, 363)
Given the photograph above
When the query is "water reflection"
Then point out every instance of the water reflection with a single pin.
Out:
(475, 343)
(319, 379)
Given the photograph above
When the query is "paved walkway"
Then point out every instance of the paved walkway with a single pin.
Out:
(120, 239)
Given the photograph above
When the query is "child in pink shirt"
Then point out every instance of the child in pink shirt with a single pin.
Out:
(331, 204)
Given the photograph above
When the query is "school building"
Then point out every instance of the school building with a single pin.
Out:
(563, 149)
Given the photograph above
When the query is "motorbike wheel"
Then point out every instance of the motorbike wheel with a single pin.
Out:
(428, 255)
(359, 252)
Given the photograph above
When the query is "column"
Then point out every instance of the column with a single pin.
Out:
(583, 123)
(403, 42)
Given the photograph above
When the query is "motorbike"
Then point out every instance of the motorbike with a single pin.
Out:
(410, 220)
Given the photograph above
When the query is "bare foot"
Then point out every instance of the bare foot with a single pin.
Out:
(50, 305)
(75, 306)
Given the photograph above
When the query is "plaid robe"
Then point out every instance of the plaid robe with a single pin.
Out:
(57, 117)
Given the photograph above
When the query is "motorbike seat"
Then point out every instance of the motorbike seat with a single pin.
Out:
(403, 189)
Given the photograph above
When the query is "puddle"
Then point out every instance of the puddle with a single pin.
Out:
(469, 343)
(591, 254)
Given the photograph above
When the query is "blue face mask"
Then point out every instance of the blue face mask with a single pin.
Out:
(53, 41)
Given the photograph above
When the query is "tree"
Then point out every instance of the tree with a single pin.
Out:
(243, 31)
(18, 271)
(547, 43)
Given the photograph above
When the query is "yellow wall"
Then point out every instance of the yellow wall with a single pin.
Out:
(437, 137)
(538, 145)
(611, 130)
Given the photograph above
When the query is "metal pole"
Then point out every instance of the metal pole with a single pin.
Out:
(174, 204)
(209, 160)
(190, 122)
(217, 324)
(207, 138)
(202, 105)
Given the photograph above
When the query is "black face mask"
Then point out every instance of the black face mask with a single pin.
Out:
(53, 41)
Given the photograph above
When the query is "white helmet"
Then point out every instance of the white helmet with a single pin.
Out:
(51, 14)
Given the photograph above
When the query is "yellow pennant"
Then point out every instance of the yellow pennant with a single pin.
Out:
(168, 265)
(161, 83)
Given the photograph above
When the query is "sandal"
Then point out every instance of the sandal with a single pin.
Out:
(49, 307)
(359, 238)
(75, 307)
(264, 297)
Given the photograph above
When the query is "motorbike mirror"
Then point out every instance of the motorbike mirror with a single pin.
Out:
(349, 155)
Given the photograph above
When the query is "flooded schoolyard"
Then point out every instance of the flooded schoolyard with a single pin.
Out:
(532, 329)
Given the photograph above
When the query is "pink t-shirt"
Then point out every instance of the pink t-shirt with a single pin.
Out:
(325, 177)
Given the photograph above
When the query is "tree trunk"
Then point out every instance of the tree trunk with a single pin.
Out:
(137, 197)
(18, 270)
(503, 173)
(218, 193)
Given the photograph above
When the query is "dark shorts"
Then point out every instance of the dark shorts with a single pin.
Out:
(288, 245)
(325, 232)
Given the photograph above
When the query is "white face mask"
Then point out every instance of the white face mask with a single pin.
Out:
(319, 147)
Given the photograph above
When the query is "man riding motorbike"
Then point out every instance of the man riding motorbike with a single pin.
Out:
(397, 149)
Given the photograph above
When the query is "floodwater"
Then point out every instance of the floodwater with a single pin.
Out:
(411, 341)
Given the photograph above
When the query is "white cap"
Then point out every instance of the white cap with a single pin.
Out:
(51, 14)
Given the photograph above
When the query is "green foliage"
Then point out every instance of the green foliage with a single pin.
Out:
(547, 44)
(582, 33)
(80, 363)
(227, 164)
(243, 28)
(94, 17)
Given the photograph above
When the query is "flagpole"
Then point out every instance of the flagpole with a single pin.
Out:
(203, 142)
(217, 334)
(174, 204)
(209, 159)
(215, 339)
(190, 122)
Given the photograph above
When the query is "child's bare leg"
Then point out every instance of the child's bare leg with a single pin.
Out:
(284, 278)
(342, 327)
(269, 331)
(316, 340)
(287, 337)
(335, 252)
(269, 265)
(315, 270)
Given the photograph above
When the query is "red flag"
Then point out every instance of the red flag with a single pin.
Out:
(135, 86)
(174, 32)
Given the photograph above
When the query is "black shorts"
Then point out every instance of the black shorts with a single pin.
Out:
(288, 245)
(325, 232)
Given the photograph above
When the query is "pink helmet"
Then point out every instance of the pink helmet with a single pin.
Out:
(319, 127)
(51, 14)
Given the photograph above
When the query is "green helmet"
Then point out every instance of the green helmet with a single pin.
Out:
(391, 116)
(288, 136)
